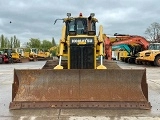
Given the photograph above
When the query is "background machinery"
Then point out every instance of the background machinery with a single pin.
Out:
(33, 54)
(5, 56)
(37, 54)
(80, 78)
(19, 55)
(1, 57)
(41, 55)
(150, 56)
(136, 43)
(121, 51)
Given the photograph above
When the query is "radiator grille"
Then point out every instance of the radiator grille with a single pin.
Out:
(82, 56)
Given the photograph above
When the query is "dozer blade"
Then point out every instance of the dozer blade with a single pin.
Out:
(81, 88)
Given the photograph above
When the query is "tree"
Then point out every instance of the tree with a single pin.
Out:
(11, 42)
(14, 41)
(2, 41)
(53, 42)
(34, 43)
(17, 43)
(6, 43)
(153, 32)
(46, 45)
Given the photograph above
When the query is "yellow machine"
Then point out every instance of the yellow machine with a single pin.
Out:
(132, 44)
(41, 55)
(81, 78)
(18, 55)
(119, 54)
(37, 54)
(150, 56)
(32, 54)
(47, 54)
(54, 51)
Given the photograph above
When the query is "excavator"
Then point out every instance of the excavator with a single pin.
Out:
(122, 51)
(80, 77)
(137, 44)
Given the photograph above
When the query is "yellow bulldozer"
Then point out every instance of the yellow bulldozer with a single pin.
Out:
(37, 54)
(32, 54)
(81, 77)
(19, 55)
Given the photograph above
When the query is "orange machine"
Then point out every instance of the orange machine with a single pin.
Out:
(108, 47)
(138, 44)
(131, 39)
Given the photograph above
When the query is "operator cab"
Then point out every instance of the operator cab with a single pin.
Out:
(34, 50)
(81, 25)
(154, 46)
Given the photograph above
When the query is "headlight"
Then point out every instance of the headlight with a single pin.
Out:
(147, 53)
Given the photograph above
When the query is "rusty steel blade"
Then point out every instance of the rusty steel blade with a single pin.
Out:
(112, 85)
(107, 88)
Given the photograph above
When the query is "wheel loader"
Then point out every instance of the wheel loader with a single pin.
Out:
(150, 56)
(80, 77)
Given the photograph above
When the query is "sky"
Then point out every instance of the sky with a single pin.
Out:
(35, 18)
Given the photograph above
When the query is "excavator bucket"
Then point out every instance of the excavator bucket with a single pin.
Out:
(80, 88)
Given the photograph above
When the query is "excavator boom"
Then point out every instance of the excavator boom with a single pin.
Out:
(132, 40)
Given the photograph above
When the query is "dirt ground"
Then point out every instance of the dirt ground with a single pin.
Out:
(6, 79)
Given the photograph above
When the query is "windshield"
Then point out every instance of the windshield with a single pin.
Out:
(79, 25)
(34, 50)
(154, 47)
(1, 52)
(72, 26)
(20, 50)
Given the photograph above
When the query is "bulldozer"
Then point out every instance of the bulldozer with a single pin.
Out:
(19, 55)
(37, 54)
(32, 54)
(80, 77)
